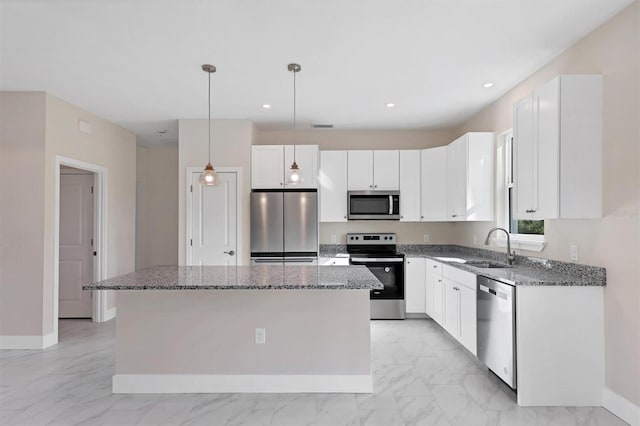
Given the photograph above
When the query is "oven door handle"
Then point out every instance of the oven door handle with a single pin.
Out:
(377, 260)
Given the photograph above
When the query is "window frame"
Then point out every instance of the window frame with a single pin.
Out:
(530, 242)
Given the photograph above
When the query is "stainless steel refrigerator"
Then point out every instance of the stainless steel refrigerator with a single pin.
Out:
(284, 227)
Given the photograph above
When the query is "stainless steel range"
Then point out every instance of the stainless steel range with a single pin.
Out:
(378, 253)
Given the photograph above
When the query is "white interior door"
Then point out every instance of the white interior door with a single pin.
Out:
(76, 252)
(214, 221)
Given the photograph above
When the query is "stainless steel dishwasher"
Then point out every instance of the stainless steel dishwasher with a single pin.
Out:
(496, 312)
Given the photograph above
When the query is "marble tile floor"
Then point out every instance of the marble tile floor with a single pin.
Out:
(421, 377)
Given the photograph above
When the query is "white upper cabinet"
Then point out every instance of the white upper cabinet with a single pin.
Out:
(267, 166)
(410, 185)
(270, 166)
(374, 170)
(470, 177)
(386, 170)
(433, 189)
(333, 186)
(360, 166)
(558, 150)
(307, 160)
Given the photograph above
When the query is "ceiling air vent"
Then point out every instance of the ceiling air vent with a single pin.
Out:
(322, 126)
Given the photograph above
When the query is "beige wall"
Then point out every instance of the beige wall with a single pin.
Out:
(613, 241)
(231, 147)
(408, 233)
(157, 201)
(22, 130)
(35, 128)
(111, 147)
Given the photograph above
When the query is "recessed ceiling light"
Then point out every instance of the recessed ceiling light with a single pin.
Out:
(390, 105)
(266, 106)
(487, 85)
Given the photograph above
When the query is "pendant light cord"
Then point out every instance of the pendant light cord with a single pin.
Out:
(209, 99)
(294, 116)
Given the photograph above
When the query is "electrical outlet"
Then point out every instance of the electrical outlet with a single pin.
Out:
(261, 336)
(573, 251)
(334, 239)
(425, 238)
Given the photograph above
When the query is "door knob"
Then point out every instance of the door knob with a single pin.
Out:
(230, 252)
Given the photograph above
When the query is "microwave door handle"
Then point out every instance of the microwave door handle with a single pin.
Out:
(390, 204)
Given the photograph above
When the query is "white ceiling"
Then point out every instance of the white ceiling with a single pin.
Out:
(137, 63)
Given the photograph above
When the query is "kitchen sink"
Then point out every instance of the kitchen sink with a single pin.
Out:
(486, 265)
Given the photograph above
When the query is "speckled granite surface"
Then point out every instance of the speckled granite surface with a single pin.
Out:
(263, 277)
(525, 271)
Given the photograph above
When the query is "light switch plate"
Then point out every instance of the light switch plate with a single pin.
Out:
(573, 251)
(261, 336)
(425, 238)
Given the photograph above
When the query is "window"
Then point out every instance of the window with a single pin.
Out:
(529, 232)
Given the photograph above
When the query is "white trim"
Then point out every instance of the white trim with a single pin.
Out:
(260, 383)
(239, 213)
(519, 241)
(100, 233)
(621, 407)
(28, 342)
(109, 314)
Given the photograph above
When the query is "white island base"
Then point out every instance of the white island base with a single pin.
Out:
(204, 341)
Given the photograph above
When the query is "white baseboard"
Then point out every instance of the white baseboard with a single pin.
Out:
(110, 314)
(261, 383)
(28, 342)
(621, 407)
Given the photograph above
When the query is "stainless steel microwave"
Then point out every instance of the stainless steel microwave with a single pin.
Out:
(373, 205)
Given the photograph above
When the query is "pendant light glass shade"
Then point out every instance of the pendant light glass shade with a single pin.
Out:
(295, 175)
(209, 177)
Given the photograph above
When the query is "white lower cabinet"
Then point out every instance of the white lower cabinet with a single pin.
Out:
(415, 285)
(434, 291)
(459, 317)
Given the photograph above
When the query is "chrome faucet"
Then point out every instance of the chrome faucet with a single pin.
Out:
(510, 256)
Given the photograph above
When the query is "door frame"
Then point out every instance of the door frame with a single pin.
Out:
(100, 312)
(239, 211)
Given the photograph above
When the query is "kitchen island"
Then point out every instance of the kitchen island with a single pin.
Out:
(198, 329)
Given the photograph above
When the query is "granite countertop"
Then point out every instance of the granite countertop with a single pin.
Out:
(263, 277)
(526, 271)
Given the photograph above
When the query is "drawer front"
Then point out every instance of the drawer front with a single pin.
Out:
(468, 279)
(434, 267)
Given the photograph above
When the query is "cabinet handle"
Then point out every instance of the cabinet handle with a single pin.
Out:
(435, 266)
(401, 217)
(345, 217)
(421, 217)
(530, 211)
(454, 215)
(280, 183)
(375, 186)
(439, 281)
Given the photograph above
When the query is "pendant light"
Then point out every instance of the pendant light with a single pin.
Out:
(209, 177)
(295, 175)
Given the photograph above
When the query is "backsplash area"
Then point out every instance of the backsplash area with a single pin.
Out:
(407, 232)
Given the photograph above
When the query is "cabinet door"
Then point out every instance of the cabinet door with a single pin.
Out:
(333, 186)
(524, 159)
(468, 318)
(307, 160)
(415, 285)
(386, 170)
(267, 166)
(360, 170)
(480, 182)
(457, 179)
(433, 291)
(410, 185)
(451, 315)
(433, 188)
(546, 104)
